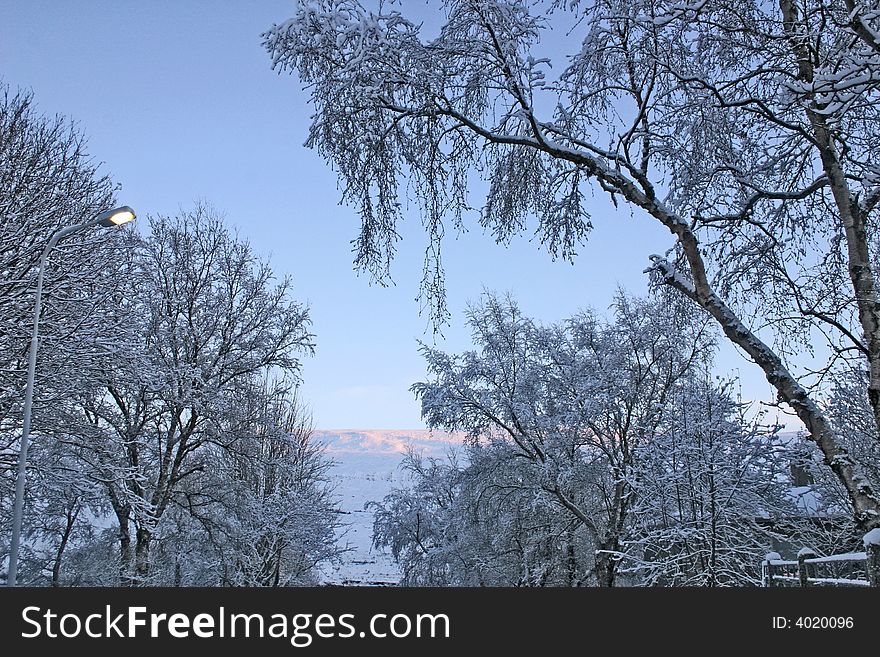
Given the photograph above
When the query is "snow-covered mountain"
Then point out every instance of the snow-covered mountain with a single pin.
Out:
(366, 469)
(386, 441)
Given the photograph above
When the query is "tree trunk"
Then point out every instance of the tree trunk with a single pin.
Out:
(65, 537)
(606, 563)
(571, 563)
(142, 555)
(125, 556)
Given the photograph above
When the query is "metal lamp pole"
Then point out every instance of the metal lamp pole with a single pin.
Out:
(114, 217)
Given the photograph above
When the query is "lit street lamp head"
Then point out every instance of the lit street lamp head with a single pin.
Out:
(115, 217)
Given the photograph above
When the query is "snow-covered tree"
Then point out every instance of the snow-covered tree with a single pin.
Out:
(599, 450)
(59, 514)
(422, 526)
(47, 182)
(713, 486)
(749, 130)
(559, 418)
(205, 316)
(573, 403)
(852, 416)
(148, 392)
(480, 523)
(262, 510)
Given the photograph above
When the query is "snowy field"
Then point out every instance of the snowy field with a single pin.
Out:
(367, 469)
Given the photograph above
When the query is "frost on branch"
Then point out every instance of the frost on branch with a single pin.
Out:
(749, 130)
(395, 113)
(600, 451)
(664, 272)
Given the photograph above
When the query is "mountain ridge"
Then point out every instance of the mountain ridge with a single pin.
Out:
(387, 441)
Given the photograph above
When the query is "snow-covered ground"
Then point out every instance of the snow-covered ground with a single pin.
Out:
(367, 469)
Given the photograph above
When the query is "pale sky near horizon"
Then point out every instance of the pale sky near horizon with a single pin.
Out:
(179, 102)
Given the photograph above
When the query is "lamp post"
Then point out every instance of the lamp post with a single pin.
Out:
(114, 217)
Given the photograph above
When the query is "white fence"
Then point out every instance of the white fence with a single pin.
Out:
(811, 570)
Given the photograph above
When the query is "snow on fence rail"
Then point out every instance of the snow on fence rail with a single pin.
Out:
(776, 571)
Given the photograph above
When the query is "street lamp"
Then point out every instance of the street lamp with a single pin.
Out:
(114, 217)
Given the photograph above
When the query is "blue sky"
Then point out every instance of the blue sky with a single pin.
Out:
(180, 104)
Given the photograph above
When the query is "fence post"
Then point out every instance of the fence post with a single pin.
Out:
(872, 550)
(806, 570)
(769, 558)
